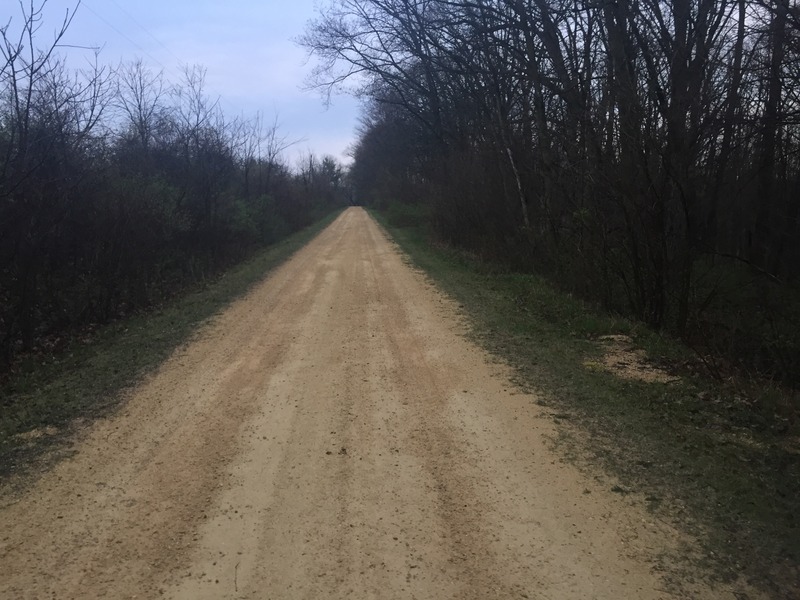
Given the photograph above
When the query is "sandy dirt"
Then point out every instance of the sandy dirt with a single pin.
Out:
(330, 435)
(624, 359)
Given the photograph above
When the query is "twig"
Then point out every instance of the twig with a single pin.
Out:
(750, 264)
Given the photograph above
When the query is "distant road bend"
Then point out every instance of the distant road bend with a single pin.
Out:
(330, 435)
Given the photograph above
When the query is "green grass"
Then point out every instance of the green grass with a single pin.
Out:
(85, 380)
(707, 456)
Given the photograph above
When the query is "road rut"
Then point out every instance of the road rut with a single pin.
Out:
(332, 434)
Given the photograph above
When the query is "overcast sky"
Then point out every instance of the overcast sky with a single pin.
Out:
(246, 46)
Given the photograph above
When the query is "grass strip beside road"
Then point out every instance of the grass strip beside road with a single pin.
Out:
(42, 400)
(716, 459)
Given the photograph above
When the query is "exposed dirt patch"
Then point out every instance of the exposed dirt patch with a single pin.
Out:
(36, 434)
(624, 359)
(332, 435)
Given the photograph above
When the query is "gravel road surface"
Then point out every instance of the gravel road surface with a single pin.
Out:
(332, 434)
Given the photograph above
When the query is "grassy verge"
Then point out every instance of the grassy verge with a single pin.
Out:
(717, 459)
(48, 393)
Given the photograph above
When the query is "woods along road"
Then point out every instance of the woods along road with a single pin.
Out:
(332, 434)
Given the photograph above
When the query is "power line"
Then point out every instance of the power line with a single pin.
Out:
(181, 62)
(104, 20)
(147, 31)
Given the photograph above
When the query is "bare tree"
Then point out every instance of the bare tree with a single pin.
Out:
(50, 114)
(622, 143)
(140, 94)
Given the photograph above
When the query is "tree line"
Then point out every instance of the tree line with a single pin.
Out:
(643, 153)
(118, 188)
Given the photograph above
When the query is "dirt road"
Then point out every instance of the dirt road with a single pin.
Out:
(330, 435)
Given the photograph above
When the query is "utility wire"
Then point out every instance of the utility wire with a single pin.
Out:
(147, 31)
(220, 97)
(109, 24)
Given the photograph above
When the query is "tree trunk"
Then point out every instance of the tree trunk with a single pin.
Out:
(770, 134)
